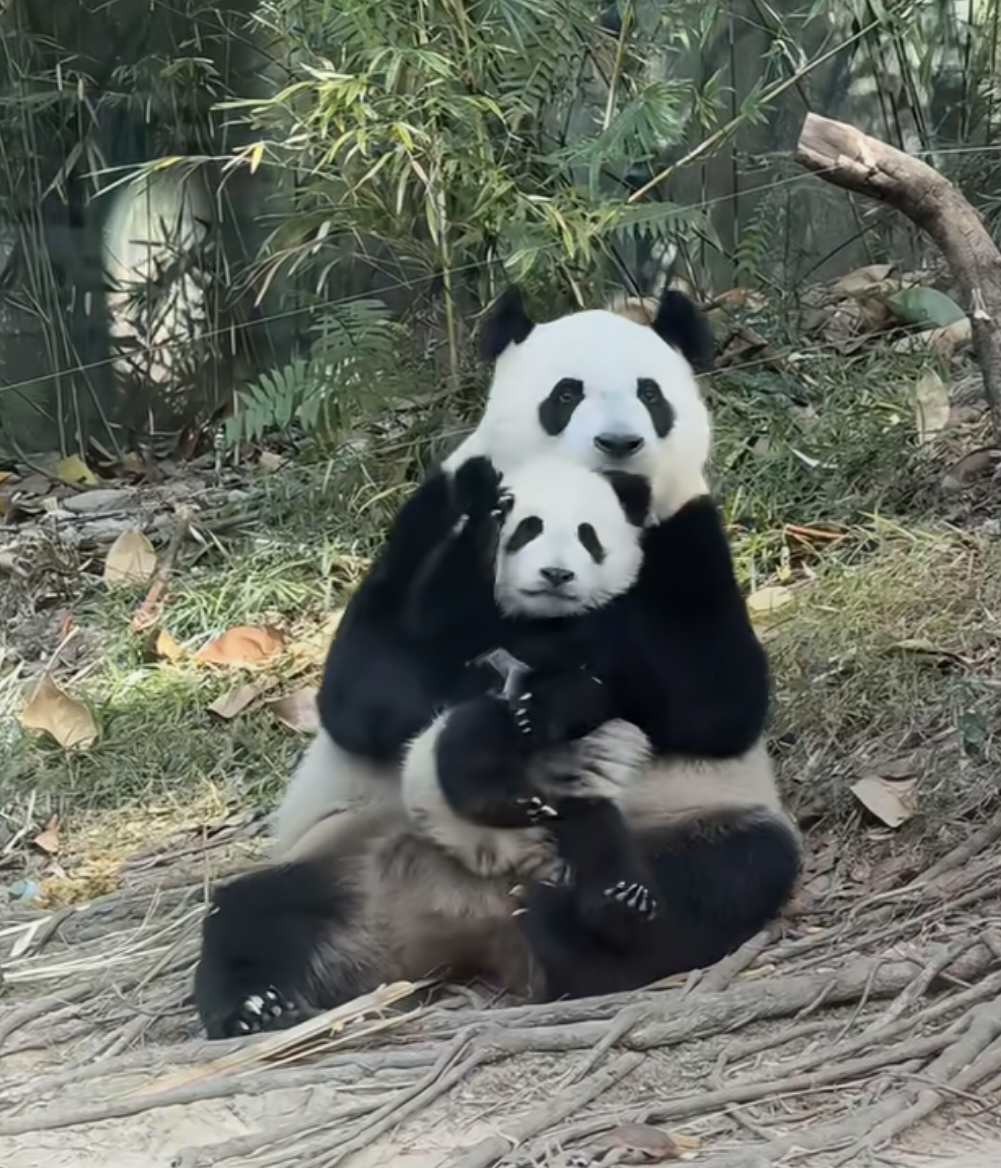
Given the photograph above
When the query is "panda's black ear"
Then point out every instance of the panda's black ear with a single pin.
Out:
(680, 324)
(507, 324)
(634, 495)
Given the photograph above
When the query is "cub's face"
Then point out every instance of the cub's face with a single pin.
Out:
(565, 543)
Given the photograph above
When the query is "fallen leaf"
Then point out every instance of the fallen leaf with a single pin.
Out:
(131, 560)
(924, 306)
(891, 802)
(69, 722)
(862, 280)
(768, 599)
(241, 646)
(48, 838)
(74, 471)
(165, 646)
(931, 406)
(298, 710)
(971, 466)
(235, 701)
(640, 1143)
(312, 649)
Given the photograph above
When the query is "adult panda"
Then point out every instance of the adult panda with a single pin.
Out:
(614, 394)
(597, 385)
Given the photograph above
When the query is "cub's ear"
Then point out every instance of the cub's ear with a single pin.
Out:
(507, 324)
(634, 495)
(680, 324)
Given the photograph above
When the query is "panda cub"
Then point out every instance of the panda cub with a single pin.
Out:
(550, 548)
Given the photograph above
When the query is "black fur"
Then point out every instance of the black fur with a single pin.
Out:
(507, 324)
(714, 891)
(681, 325)
(263, 937)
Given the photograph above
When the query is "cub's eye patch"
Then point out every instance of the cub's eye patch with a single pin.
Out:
(592, 544)
(528, 529)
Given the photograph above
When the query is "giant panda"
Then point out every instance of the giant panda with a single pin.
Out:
(572, 385)
(409, 890)
(498, 779)
(613, 394)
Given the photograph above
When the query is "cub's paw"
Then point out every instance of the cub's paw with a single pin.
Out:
(510, 812)
(477, 490)
(558, 708)
(619, 913)
(637, 898)
(268, 1010)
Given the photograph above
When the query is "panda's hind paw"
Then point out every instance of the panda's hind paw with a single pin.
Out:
(268, 1010)
(634, 896)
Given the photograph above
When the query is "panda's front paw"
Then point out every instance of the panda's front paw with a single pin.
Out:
(268, 1010)
(477, 491)
(620, 914)
(559, 708)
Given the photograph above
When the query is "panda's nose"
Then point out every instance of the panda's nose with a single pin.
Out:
(557, 577)
(620, 446)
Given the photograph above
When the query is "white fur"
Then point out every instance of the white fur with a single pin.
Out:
(607, 763)
(563, 495)
(328, 780)
(608, 353)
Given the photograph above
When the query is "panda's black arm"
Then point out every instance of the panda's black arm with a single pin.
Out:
(691, 674)
(376, 693)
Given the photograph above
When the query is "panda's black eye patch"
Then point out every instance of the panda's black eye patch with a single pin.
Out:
(561, 401)
(589, 538)
(528, 529)
(658, 407)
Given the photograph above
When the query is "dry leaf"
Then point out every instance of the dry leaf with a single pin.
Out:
(862, 280)
(69, 722)
(237, 700)
(977, 463)
(131, 560)
(242, 646)
(298, 710)
(931, 406)
(766, 600)
(312, 649)
(891, 802)
(75, 472)
(48, 838)
(640, 1143)
(165, 646)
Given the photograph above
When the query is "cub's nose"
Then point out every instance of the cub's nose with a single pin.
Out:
(620, 446)
(557, 577)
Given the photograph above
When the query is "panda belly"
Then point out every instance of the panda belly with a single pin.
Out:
(326, 780)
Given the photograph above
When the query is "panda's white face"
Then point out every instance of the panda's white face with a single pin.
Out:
(605, 390)
(565, 543)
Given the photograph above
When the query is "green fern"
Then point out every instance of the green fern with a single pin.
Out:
(350, 366)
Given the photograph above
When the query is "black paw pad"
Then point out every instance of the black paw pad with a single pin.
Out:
(635, 897)
(269, 1010)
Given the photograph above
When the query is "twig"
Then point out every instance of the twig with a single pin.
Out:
(913, 993)
(148, 611)
(620, 1026)
(488, 1151)
(243, 1146)
(719, 976)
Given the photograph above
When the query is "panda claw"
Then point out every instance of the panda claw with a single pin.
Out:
(636, 897)
(519, 912)
(536, 809)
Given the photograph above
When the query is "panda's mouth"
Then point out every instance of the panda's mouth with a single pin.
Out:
(551, 592)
